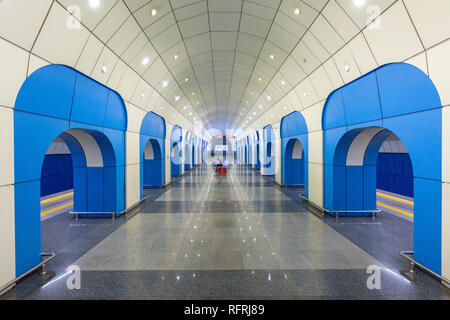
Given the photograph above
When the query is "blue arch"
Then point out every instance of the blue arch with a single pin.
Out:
(152, 171)
(269, 157)
(395, 98)
(188, 152)
(294, 172)
(175, 151)
(51, 101)
(257, 164)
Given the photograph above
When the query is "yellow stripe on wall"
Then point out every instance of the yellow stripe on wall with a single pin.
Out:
(411, 203)
(57, 198)
(411, 215)
(44, 213)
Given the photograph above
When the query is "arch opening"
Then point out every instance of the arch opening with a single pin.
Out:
(358, 118)
(294, 164)
(153, 162)
(56, 102)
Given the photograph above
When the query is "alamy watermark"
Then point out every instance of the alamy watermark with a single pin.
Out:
(374, 280)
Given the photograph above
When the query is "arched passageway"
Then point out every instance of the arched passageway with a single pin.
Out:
(393, 99)
(59, 103)
(294, 151)
(152, 136)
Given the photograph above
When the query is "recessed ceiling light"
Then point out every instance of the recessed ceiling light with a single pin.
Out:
(272, 56)
(260, 106)
(104, 69)
(193, 93)
(161, 108)
(145, 61)
(185, 107)
(305, 94)
(94, 3)
(297, 11)
(142, 95)
(190, 113)
(186, 79)
(254, 113)
(359, 3)
(177, 98)
(252, 93)
(153, 12)
(165, 84)
(269, 98)
(283, 82)
(175, 56)
(347, 68)
(259, 79)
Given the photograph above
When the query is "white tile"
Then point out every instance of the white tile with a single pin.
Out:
(315, 181)
(107, 59)
(439, 66)
(35, 63)
(313, 116)
(396, 39)
(431, 19)
(345, 58)
(7, 143)
(132, 147)
(419, 61)
(446, 230)
(128, 84)
(321, 83)
(20, 20)
(89, 55)
(362, 54)
(133, 183)
(315, 144)
(13, 70)
(446, 144)
(7, 245)
(60, 42)
(112, 21)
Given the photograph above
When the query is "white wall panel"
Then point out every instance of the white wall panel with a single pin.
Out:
(13, 70)
(395, 39)
(20, 20)
(61, 40)
(439, 68)
(7, 245)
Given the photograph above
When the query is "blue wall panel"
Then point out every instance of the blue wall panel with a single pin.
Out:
(403, 100)
(52, 100)
(395, 173)
(57, 174)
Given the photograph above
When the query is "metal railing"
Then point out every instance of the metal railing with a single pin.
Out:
(113, 214)
(292, 185)
(336, 212)
(9, 285)
(409, 255)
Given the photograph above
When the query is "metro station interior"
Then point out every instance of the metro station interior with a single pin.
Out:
(225, 149)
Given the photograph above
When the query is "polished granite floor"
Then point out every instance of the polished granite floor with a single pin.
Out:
(227, 237)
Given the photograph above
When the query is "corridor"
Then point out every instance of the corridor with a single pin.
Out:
(227, 237)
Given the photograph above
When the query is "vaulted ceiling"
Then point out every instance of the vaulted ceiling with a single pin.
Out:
(222, 57)
(223, 64)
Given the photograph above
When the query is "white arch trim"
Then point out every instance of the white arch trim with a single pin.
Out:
(92, 152)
